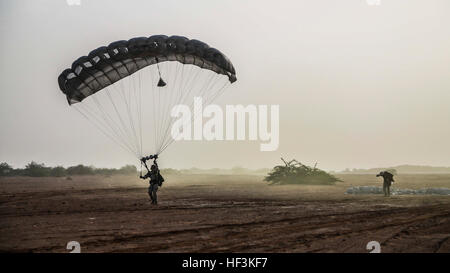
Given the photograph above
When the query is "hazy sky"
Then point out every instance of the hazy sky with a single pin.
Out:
(358, 85)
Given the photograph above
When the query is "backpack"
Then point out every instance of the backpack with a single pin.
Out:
(160, 179)
(390, 176)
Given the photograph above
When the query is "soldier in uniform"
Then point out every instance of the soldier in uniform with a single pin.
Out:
(388, 178)
(156, 179)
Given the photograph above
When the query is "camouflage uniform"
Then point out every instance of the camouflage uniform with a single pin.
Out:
(155, 181)
(153, 189)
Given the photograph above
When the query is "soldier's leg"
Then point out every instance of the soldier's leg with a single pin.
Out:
(150, 193)
(385, 189)
(155, 196)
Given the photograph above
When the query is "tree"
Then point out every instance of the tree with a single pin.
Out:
(5, 169)
(58, 171)
(128, 169)
(80, 170)
(36, 170)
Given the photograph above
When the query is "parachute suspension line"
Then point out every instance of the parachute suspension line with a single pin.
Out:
(138, 106)
(124, 133)
(110, 122)
(135, 123)
(165, 102)
(148, 98)
(192, 87)
(220, 91)
(173, 72)
(135, 120)
(177, 102)
(158, 109)
(158, 112)
(190, 84)
(92, 113)
(102, 108)
(157, 65)
(183, 85)
(128, 131)
(154, 105)
(123, 97)
(121, 120)
(168, 106)
(130, 95)
(140, 114)
(161, 82)
(130, 116)
(203, 89)
(103, 131)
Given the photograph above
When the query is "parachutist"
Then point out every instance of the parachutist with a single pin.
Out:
(156, 181)
(101, 68)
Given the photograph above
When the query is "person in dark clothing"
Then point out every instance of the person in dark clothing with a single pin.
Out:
(155, 179)
(388, 178)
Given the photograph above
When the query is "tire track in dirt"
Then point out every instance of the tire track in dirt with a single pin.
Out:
(272, 229)
(336, 225)
(324, 236)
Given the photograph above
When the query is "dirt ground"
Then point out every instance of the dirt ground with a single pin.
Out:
(219, 213)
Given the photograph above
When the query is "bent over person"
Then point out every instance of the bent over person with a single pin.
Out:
(388, 178)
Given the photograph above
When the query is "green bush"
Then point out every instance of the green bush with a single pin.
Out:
(294, 172)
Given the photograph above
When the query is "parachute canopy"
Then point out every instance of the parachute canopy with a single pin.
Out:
(107, 65)
(130, 89)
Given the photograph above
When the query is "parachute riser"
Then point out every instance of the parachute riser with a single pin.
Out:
(145, 158)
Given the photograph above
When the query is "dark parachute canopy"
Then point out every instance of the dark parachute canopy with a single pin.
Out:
(107, 65)
(141, 82)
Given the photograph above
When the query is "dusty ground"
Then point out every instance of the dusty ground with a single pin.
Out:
(201, 213)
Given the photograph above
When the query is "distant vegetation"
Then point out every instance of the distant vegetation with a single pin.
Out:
(400, 169)
(41, 170)
(233, 171)
(291, 171)
(294, 172)
(34, 169)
